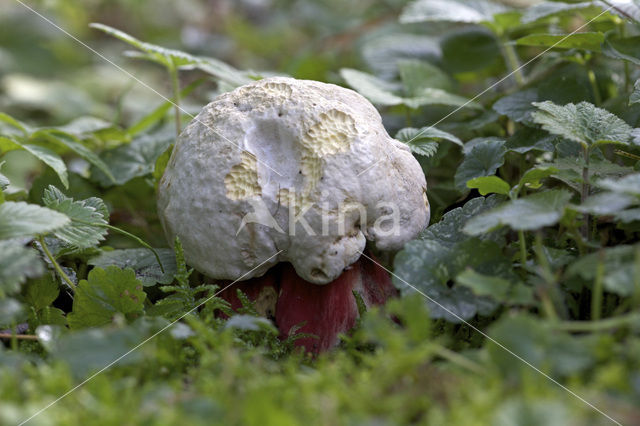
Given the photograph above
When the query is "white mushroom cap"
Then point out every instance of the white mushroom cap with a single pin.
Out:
(258, 157)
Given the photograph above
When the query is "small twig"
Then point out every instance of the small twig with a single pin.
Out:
(18, 336)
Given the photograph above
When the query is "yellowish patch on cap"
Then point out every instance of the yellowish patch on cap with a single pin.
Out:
(330, 135)
(242, 181)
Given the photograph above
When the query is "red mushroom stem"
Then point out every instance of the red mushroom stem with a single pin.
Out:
(326, 310)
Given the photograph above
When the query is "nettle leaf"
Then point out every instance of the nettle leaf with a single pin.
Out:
(548, 9)
(424, 141)
(483, 159)
(223, 71)
(526, 214)
(606, 203)
(620, 268)
(518, 106)
(584, 123)
(449, 230)
(381, 92)
(489, 185)
(532, 177)
(105, 293)
(42, 292)
(627, 49)
(43, 154)
(583, 41)
(529, 139)
(569, 170)
(17, 263)
(143, 262)
(88, 218)
(19, 219)
(467, 11)
(132, 160)
(152, 52)
(635, 95)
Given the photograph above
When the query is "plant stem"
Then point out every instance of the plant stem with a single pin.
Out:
(512, 60)
(18, 336)
(175, 83)
(597, 97)
(547, 275)
(55, 264)
(585, 191)
(523, 248)
(601, 325)
(456, 358)
(596, 292)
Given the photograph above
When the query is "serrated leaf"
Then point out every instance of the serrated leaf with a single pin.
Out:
(423, 141)
(143, 262)
(620, 268)
(105, 293)
(467, 11)
(489, 185)
(167, 57)
(87, 218)
(583, 41)
(132, 160)
(42, 292)
(584, 123)
(484, 159)
(526, 214)
(19, 219)
(529, 139)
(547, 9)
(17, 263)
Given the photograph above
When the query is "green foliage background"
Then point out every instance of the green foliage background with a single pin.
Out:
(531, 264)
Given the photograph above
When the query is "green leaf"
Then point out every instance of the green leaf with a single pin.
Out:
(167, 57)
(87, 218)
(529, 139)
(548, 9)
(583, 41)
(135, 159)
(532, 177)
(14, 126)
(489, 185)
(423, 141)
(10, 311)
(518, 106)
(17, 263)
(627, 49)
(419, 75)
(466, 11)
(605, 203)
(105, 293)
(497, 288)
(376, 90)
(635, 95)
(142, 261)
(19, 219)
(526, 214)
(484, 159)
(223, 71)
(42, 292)
(43, 154)
(470, 49)
(381, 92)
(583, 123)
(629, 184)
(620, 268)
(70, 142)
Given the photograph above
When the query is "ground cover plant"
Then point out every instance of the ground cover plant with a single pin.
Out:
(519, 304)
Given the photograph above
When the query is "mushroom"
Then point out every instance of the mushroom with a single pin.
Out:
(296, 172)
